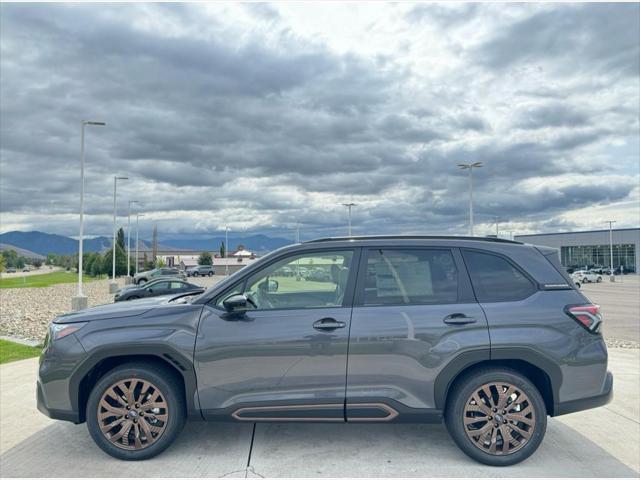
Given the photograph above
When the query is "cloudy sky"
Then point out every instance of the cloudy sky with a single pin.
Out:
(260, 115)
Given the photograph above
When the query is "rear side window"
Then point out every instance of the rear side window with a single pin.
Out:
(410, 276)
(495, 279)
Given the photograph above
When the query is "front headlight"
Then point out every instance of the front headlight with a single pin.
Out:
(61, 330)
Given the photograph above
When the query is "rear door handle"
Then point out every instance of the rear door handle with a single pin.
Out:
(458, 319)
(328, 324)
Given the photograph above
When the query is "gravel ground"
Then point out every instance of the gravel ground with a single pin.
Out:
(26, 312)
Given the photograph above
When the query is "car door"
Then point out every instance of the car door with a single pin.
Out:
(158, 288)
(414, 317)
(286, 357)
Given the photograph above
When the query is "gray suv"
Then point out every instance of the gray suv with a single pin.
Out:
(489, 335)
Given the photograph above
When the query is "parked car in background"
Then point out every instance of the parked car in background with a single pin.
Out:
(11, 270)
(155, 288)
(200, 271)
(490, 335)
(585, 276)
(26, 269)
(144, 277)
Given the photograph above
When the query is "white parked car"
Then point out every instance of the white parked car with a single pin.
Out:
(584, 276)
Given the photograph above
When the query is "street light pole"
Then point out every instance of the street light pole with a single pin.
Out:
(612, 277)
(138, 215)
(113, 286)
(349, 206)
(470, 167)
(226, 250)
(128, 280)
(79, 302)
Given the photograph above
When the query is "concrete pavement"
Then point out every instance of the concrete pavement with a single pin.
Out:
(604, 442)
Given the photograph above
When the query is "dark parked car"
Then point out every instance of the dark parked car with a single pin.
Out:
(201, 271)
(489, 334)
(156, 288)
(149, 275)
(11, 270)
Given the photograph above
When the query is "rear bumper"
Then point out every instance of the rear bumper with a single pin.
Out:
(589, 402)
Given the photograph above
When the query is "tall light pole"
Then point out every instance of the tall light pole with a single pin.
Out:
(138, 215)
(128, 279)
(297, 232)
(113, 286)
(226, 250)
(79, 302)
(470, 167)
(612, 277)
(349, 206)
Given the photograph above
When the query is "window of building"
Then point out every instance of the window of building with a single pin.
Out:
(495, 279)
(410, 276)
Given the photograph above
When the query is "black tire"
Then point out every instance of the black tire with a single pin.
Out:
(211, 274)
(166, 382)
(599, 279)
(458, 399)
(133, 297)
(142, 281)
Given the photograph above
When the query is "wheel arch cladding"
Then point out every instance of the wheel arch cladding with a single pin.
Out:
(101, 363)
(534, 373)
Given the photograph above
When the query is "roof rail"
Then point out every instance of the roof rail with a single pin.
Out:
(414, 237)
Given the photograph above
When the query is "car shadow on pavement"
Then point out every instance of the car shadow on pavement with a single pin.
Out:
(310, 450)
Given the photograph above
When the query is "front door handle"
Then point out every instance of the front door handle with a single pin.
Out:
(458, 319)
(328, 324)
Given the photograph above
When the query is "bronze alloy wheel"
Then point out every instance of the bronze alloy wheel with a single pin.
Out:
(499, 418)
(133, 414)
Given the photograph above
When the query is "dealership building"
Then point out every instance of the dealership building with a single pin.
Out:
(591, 248)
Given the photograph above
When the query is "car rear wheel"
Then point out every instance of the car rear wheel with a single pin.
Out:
(211, 274)
(599, 279)
(133, 297)
(135, 411)
(496, 416)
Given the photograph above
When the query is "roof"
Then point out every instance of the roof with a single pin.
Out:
(414, 237)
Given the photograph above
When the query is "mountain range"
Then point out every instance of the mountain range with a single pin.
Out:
(44, 243)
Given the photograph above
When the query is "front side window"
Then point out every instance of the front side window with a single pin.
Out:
(495, 279)
(177, 285)
(410, 276)
(311, 280)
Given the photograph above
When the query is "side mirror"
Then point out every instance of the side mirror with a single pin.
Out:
(235, 304)
(151, 290)
(273, 285)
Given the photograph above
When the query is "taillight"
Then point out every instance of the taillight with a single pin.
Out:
(586, 315)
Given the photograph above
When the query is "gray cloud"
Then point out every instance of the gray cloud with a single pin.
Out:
(260, 124)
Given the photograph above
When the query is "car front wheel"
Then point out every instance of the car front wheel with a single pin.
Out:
(599, 279)
(211, 274)
(135, 411)
(496, 416)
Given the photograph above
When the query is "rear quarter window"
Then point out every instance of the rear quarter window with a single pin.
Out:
(496, 279)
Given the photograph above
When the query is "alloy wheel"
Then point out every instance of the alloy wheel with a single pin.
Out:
(133, 414)
(499, 418)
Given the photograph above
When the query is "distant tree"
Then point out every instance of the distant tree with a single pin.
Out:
(160, 263)
(222, 249)
(121, 261)
(2, 263)
(36, 262)
(146, 263)
(205, 259)
(120, 239)
(98, 266)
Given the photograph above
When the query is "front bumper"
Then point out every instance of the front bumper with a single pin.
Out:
(590, 402)
(56, 397)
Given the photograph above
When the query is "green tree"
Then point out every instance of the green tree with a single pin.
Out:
(36, 262)
(1, 263)
(120, 240)
(222, 249)
(97, 266)
(205, 259)
(160, 263)
(121, 261)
